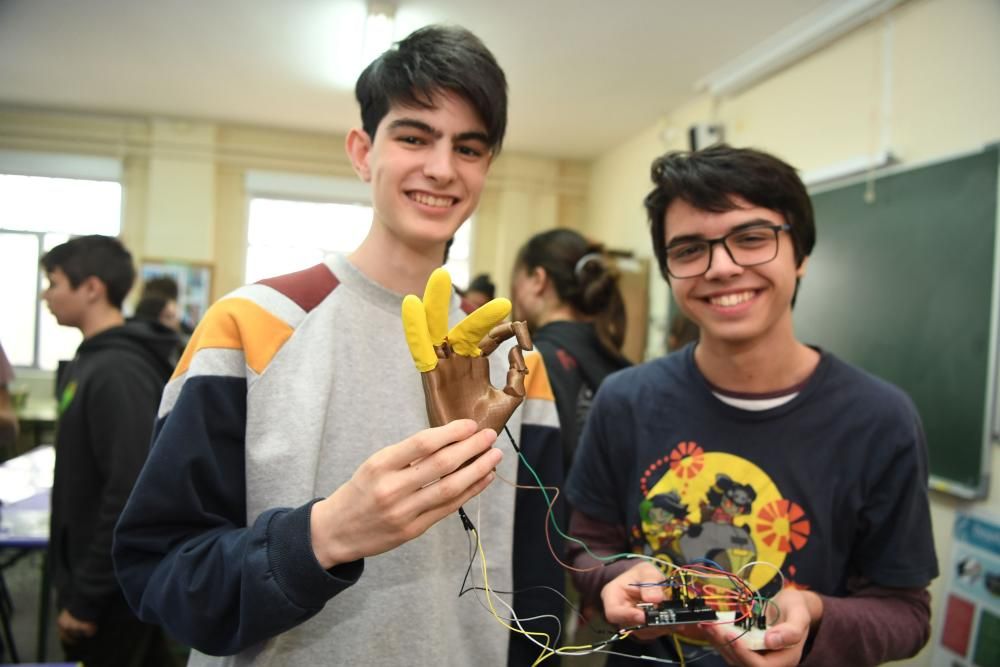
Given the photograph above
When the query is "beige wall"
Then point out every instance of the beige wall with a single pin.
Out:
(923, 81)
(184, 184)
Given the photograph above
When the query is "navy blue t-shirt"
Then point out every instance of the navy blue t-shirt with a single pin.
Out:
(829, 485)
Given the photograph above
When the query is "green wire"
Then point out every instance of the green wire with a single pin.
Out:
(549, 502)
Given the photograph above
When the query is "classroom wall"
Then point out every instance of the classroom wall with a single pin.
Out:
(922, 81)
(184, 183)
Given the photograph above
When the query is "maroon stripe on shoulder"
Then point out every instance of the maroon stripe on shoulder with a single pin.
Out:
(307, 287)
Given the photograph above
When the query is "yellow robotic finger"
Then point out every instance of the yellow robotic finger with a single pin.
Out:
(417, 334)
(464, 337)
(437, 299)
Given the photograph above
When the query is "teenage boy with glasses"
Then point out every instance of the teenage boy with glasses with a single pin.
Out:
(751, 449)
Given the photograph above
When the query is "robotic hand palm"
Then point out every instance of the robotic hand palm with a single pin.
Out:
(454, 364)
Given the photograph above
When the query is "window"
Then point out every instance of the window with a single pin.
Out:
(36, 214)
(285, 236)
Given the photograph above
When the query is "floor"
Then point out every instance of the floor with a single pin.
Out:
(23, 582)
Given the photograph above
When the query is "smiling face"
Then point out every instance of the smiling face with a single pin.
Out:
(427, 168)
(735, 305)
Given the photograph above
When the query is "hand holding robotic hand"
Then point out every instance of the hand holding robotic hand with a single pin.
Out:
(453, 364)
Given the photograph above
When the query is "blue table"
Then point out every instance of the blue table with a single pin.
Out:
(25, 489)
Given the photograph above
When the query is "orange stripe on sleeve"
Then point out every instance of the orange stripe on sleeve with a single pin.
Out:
(536, 384)
(235, 324)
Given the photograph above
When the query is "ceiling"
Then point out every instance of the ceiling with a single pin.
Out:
(584, 75)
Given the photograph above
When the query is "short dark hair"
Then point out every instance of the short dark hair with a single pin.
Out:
(583, 277)
(163, 286)
(708, 179)
(430, 60)
(103, 257)
(482, 284)
(150, 306)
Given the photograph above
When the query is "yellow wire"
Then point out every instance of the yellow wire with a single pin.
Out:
(546, 651)
(680, 651)
(489, 599)
(714, 592)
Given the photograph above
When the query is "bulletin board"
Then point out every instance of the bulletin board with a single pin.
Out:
(194, 284)
(969, 635)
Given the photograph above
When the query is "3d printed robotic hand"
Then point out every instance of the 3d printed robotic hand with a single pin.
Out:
(454, 364)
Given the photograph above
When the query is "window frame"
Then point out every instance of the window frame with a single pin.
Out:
(60, 166)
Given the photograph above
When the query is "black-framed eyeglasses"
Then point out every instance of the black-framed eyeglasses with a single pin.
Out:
(747, 246)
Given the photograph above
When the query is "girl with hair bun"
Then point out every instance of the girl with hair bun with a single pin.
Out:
(566, 289)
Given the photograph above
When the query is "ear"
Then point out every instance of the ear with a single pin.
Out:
(538, 280)
(359, 148)
(94, 288)
(800, 270)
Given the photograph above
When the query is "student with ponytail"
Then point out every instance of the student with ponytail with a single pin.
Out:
(566, 289)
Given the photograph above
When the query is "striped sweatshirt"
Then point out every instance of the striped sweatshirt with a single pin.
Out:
(286, 387)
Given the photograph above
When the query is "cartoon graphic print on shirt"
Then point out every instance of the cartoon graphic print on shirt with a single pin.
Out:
(719, 507)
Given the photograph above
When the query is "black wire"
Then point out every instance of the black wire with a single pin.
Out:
(513, 443)
(472, 556)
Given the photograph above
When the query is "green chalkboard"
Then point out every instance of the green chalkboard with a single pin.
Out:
(902, 282)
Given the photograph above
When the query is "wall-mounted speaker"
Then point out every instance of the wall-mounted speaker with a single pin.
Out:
(703, 135)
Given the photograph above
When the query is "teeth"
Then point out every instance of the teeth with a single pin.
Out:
(431, 200)
(732, 299)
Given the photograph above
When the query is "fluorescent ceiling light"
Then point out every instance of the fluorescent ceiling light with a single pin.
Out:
(798, 40)
(379, 25)
(847, 168)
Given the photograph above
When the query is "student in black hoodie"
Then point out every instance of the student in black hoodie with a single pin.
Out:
(109, 396)
(565, 288)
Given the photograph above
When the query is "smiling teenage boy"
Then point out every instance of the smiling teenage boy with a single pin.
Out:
(293, 387)
(752, 449)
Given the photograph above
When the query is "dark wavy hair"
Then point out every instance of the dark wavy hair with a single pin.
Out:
(430, 60)
(583, 277)
(103, 257)
(708, 179)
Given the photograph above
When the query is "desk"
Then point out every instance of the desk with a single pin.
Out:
(25, 488)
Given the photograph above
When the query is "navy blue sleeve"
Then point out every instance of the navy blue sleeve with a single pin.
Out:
(183, 552)
(597, 482)
(539, 579)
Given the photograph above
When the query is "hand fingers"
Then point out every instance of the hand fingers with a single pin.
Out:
(515, 374)
(445, 496)
(795, 619)
(502, 332)
(73, 632)
(620, 596)
(652, 593)
(421, 445)
(784, 635)
(437, 299)
(726, 640)
(623, 613)
(464, 337)
(448, 460)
